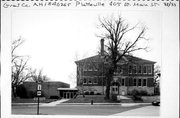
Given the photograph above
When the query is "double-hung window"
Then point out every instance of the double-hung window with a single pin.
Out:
(139, 82)
(95, 81)
(144, 69)
(134, 82)
(123, 82)
(139, 69)
(130, 69)
(144, 82)
(149, 69)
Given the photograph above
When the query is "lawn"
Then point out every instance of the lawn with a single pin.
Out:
(31, 100)
(88, 98)
(100, 99)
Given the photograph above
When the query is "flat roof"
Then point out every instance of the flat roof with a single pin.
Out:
(67, 89)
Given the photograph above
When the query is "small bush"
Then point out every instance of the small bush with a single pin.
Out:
(86, 93)
(136, 95)
(91, 93)
(98, 93)
(54, 97)
(114, 97)
(143, 93)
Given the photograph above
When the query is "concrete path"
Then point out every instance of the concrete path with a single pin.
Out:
(53, 103)
(124, 97)
(144, 111)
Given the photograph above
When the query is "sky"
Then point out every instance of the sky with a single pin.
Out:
(55, 39)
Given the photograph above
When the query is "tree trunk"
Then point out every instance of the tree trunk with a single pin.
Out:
(108, 85)
(14, 95)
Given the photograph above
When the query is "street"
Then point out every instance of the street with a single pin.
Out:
(101, 110)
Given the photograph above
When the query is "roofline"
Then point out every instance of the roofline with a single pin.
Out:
(147, 61)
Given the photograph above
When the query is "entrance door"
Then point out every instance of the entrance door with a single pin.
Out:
(114, 89)
(64, 95)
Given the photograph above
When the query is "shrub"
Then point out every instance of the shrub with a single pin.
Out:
(98, 93)
(143, 93)
(86, 93)
(114, 97)
(136, 95)
(54, 97)
(91, 93)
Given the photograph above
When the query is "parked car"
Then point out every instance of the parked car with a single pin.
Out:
(156, 102)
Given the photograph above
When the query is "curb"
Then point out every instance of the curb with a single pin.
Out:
(122, 104)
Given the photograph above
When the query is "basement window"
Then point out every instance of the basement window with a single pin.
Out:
(89, 81)
(85, 81)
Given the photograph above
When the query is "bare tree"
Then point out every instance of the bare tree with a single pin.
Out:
(15, 45)
(20, 73)
(20, 70)
(116, 31)
(38, 76)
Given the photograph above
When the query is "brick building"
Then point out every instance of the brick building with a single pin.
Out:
(48, 88)
(132, 73)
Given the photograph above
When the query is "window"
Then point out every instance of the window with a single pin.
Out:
(89, 81)
(113, 89)
(134, 69)
(130, 69)
(139, 82)
(123, 82)
(144, 82)
(149, 69)
(134, 82)
(139, 69)
(95, 81)
(144, 69)
(84, 81)
(119, 70)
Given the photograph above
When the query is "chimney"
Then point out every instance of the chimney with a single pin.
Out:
(102, 47)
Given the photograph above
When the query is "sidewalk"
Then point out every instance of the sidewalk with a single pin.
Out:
(144, 111)
(51, 104)
(122, 104)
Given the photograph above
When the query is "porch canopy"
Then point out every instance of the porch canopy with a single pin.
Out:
(67, 92)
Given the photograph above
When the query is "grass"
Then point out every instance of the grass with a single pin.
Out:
(31, 100)
(100, 99)
(88, 98)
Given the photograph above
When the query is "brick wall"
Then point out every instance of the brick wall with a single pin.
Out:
(48, 88)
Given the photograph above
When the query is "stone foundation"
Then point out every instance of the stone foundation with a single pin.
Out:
(123, 90)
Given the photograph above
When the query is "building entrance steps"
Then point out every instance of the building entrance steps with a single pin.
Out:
(54, 103)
